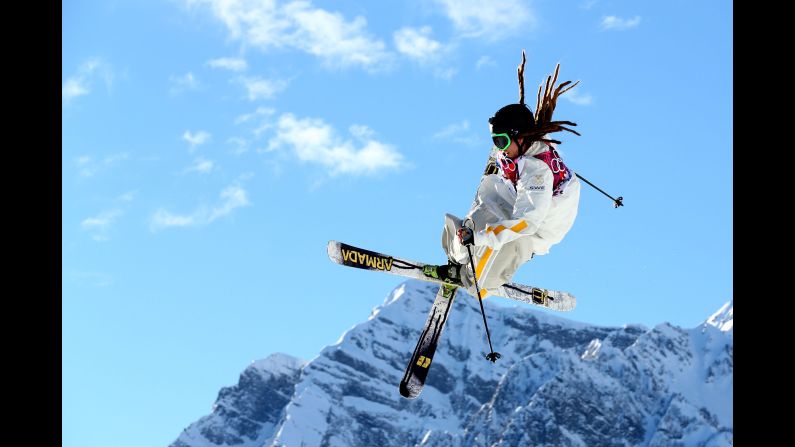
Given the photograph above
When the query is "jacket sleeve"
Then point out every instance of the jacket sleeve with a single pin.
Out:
(533, 199)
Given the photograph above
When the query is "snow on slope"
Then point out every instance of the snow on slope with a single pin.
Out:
(559, 382)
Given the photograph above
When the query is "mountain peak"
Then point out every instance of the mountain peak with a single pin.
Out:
(723, 319)
(278, 363)
(586, 384)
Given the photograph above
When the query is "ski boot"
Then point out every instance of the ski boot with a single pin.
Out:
(450, 273)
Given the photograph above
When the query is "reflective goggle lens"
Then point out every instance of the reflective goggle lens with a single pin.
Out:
(501, 140)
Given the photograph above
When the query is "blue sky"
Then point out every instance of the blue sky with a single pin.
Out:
(211, 149)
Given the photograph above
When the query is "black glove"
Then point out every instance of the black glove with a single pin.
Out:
(465, 236)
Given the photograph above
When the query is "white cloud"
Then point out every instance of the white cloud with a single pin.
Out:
(196, 139)
(164, 219)
(181, 83)
(416, 43)
(261, 111)
(485, 61)
(361, 132)
(588, 4)
(231, 198)
(201, 165)
(264, 123)
(458, 133)
(496, 20)
(617, 23)
(73, 88)
(452, 130)
(259, 88)
(299, 25)
(80, 84)
(89, 167)
(445, 73)
(574, 97)
(127, 197)
(100, 224)
(229, 63)
(102, 221)
(339, 43)
(320, 144)
(262, 128)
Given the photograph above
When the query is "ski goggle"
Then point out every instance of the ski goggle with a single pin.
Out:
(501, 140)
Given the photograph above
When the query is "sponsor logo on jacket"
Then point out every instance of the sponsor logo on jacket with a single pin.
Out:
(536, 183)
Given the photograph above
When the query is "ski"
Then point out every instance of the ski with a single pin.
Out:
(417, 370)
(351, 256)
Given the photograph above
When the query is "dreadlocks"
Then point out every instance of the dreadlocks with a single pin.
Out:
(545, 106)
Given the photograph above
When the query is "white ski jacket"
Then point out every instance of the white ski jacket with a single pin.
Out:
(512, 223)
(531, 209)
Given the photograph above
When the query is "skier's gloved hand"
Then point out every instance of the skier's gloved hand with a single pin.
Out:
(465, 236)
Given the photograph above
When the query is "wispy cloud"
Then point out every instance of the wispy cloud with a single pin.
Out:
(260, 88)
(575, 97)
(320, 144)
(246, 176)
(588, 4)
(485, 61)
(201, 165)
(263, 127)
(417, 43)
(445, 73)
(127, 197)
(264, 122)
(74, 87)
(241, 145)
(502, 19)
(617, 23)
(164, 219)
(231, 198)
(361, 132)
(260, 112)
(81, 82)
(100, 225)
(88, 166)
(458, 133)
(299, 25)
(229, 63)
(196, 139)
(181, 83)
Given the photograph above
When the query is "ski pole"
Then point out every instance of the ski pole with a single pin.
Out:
(493, 356)
(618, 201)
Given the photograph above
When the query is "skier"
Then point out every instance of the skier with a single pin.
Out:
(526, 202)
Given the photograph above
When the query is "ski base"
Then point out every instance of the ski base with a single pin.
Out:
(417, 370)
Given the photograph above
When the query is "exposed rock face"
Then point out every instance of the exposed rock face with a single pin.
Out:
(558, 383)
(247, 413)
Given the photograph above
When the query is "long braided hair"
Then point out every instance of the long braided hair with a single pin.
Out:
(545, 107)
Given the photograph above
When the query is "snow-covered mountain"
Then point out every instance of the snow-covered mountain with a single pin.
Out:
(558, 383)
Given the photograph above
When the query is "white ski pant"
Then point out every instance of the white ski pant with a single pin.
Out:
(493, 267)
